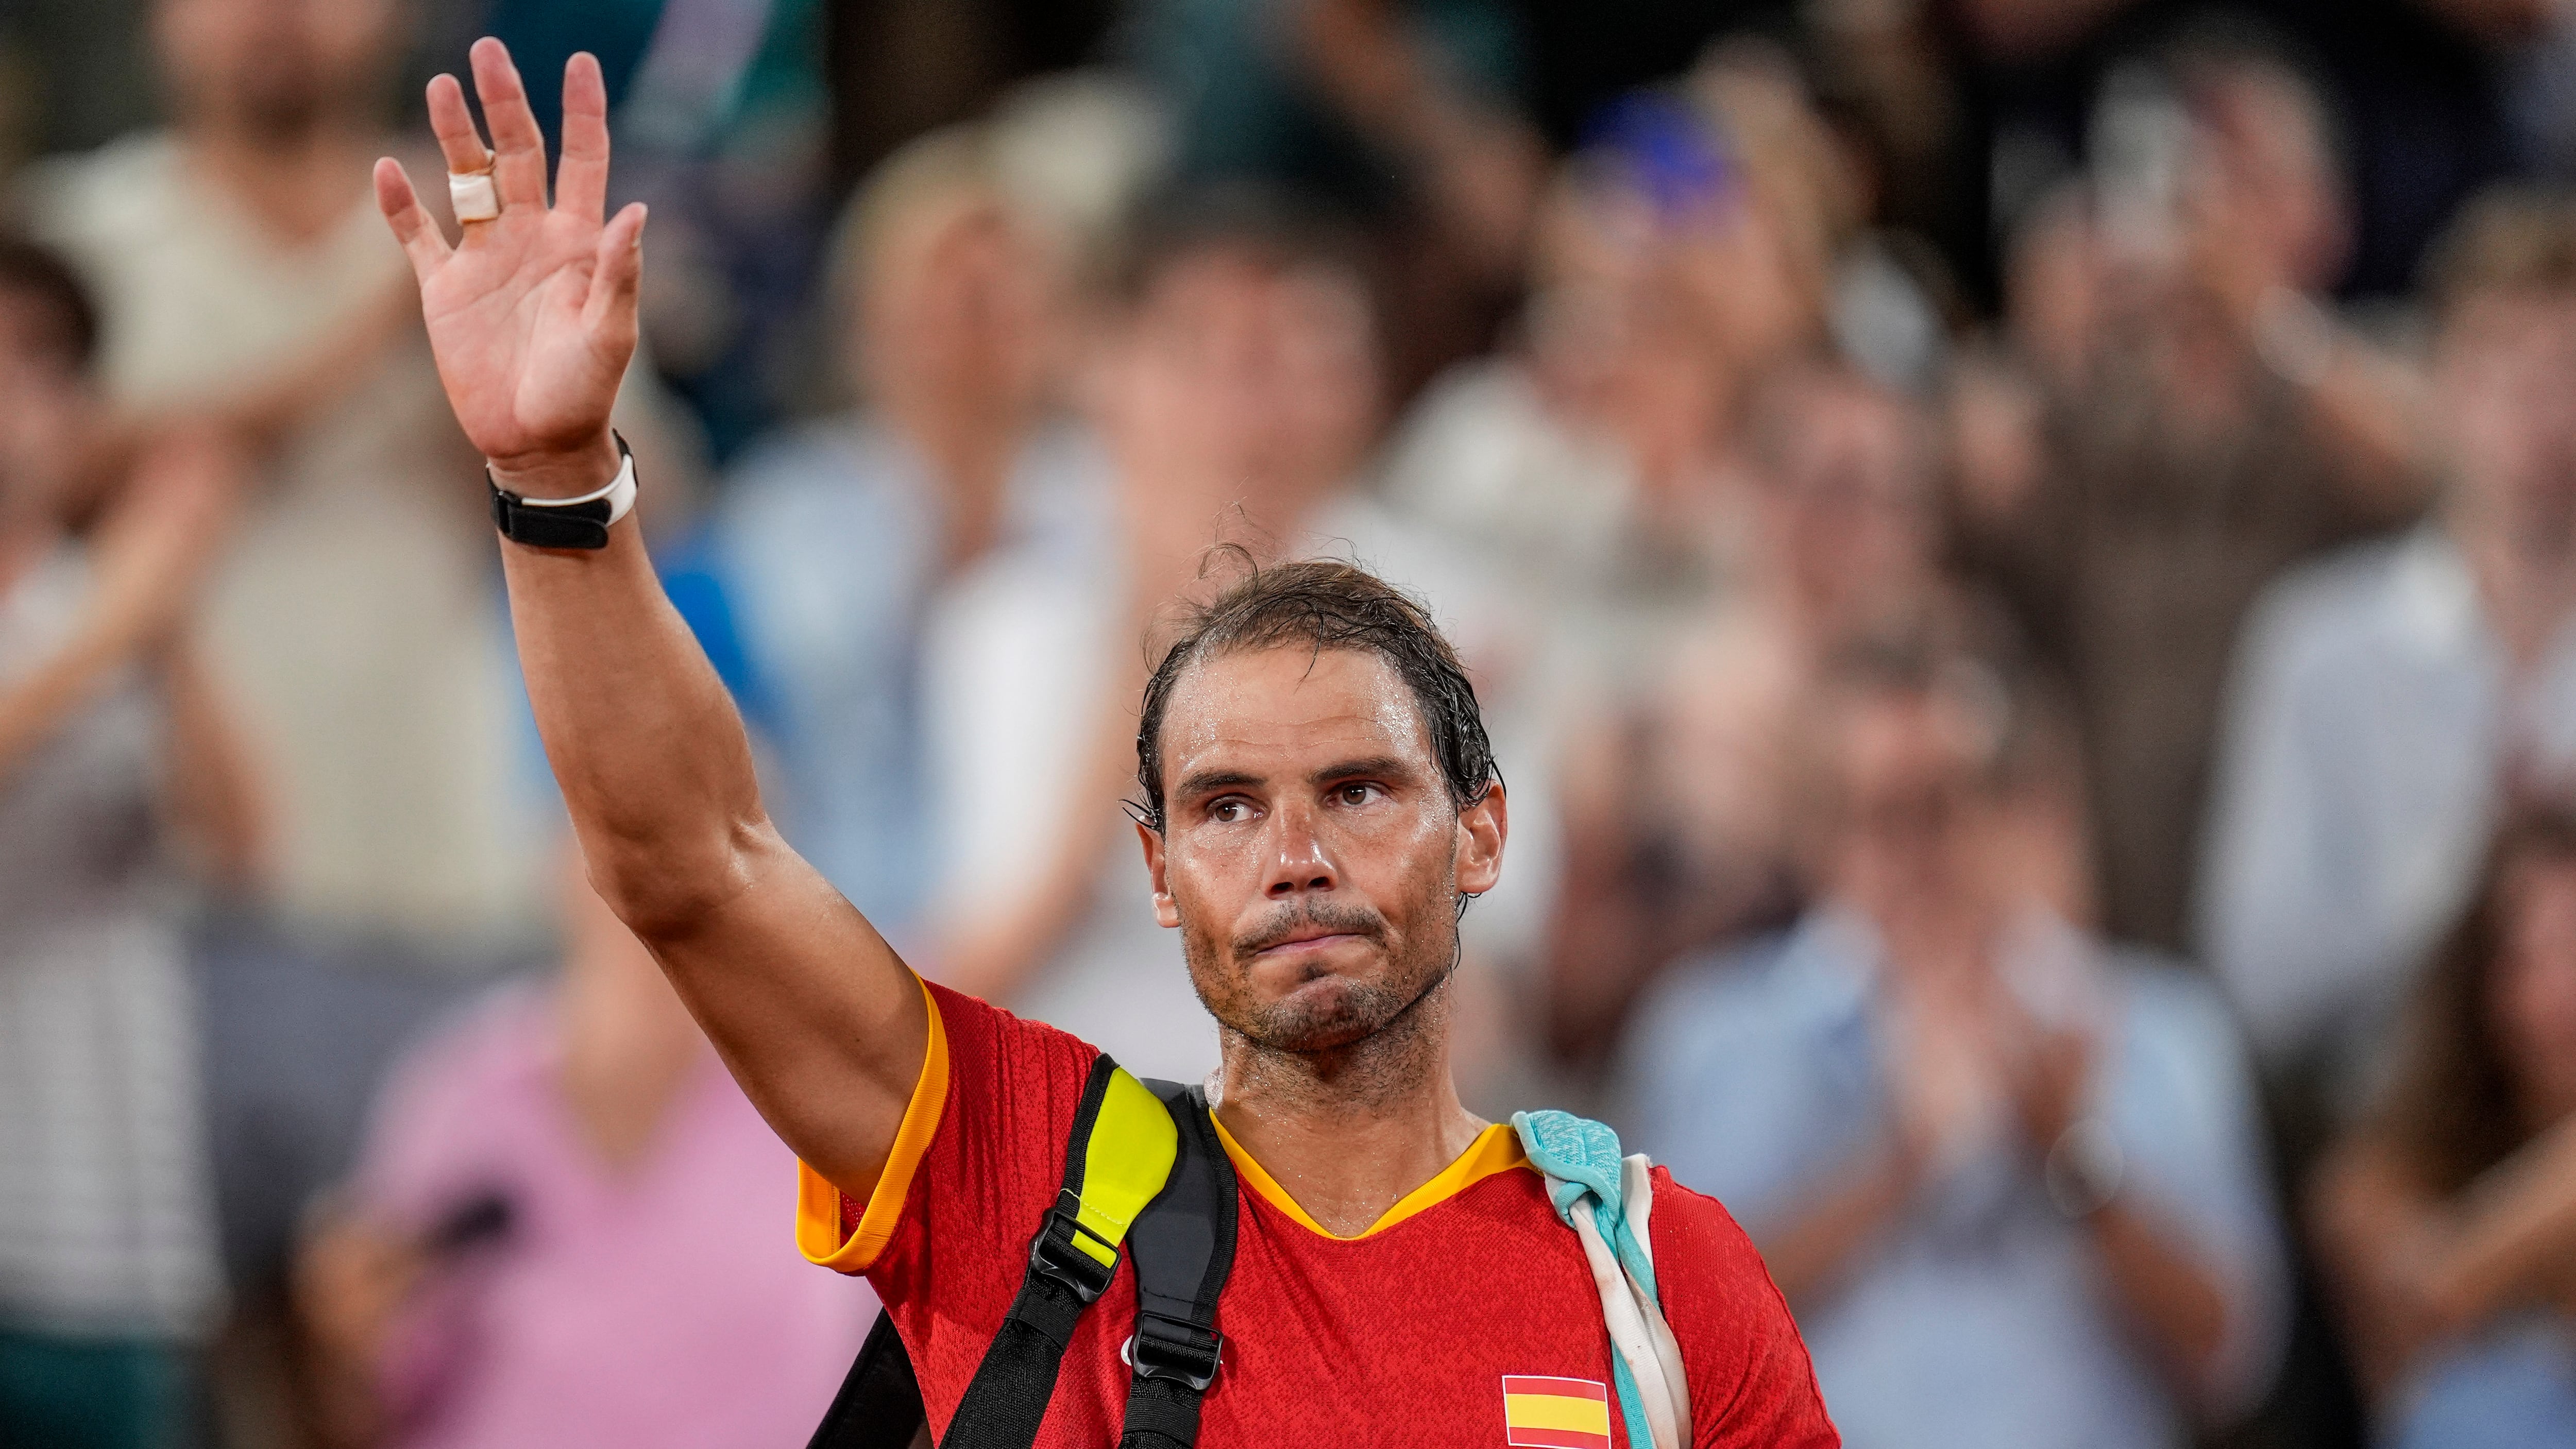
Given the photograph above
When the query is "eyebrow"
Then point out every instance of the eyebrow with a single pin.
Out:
(1387, 766)
(1209, 782)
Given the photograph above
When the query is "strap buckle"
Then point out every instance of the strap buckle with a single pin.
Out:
(1054, 1255)
(1173, 1348)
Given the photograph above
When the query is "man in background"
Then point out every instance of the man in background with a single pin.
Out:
(2390, 698)
(2006, 1172)
(563, 1229)
(241, 275)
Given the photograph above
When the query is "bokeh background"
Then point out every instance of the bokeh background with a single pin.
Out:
(2019, 556)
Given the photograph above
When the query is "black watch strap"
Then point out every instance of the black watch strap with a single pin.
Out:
(561, 525)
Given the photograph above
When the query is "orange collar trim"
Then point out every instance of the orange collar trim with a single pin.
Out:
(1496, 1149)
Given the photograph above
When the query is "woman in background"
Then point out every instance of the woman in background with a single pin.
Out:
(569, 1228)
(2447, 1221)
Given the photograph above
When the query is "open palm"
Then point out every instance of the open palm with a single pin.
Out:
(532, 314)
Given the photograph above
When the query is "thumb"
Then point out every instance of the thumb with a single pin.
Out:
(617, 270)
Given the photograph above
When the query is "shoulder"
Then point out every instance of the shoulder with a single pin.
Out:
(1759, 993)
(86, 201)
(1700, 1248)
(2338, 609)
(2179, 1041)
(834, 470)
(2168, 1002)
(977, 1030)
(1751, 1382)
(448, 1099)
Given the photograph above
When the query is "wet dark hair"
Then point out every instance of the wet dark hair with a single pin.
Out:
(1325, 604)
(32, 271)
(2454, 1109)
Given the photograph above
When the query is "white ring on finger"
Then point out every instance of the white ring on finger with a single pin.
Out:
(471, 193)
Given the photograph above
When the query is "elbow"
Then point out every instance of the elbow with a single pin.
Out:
(664, 888)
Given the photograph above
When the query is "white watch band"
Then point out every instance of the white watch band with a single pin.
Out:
(618, 491)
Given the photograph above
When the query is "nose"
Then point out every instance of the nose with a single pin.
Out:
(1299, 862)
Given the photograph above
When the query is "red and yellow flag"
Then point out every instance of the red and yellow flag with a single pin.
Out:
(1551, 1413)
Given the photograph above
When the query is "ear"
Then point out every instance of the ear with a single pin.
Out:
(1167, 912)
(1481, 828)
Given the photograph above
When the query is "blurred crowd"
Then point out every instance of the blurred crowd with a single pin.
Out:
(2019, 557)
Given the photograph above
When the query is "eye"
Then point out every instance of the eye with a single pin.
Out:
(1230, 811)
(1357, 792)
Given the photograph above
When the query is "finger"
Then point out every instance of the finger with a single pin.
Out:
(617, 271)
(581, 177)
(519, 148)
(421, 239)
(458, 141)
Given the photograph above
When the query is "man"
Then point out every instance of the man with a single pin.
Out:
(114, 762)
(2208, 423)
(241, 274)
(1237, 390)
(2006, 1172)
(458, 1303)
(846, 544)
(2386, 699)
(1319, 801)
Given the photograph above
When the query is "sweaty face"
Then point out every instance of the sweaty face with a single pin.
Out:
(1311, 855)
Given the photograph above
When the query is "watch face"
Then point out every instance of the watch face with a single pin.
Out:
(2084, 1167)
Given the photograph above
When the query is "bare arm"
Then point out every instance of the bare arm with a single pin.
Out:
(214, 786)
(2167, 1292)
(147, 558)
(1808, 1260)
(532, 319)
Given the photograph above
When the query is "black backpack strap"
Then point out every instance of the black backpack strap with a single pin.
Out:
(1116, 1160)
(1183, 1249)
(879, 1405)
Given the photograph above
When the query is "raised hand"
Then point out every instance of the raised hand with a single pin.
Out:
(532, 314)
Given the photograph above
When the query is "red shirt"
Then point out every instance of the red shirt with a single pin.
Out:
(1405, 1334)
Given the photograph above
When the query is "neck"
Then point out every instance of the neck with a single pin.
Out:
(628, 1049)
(970, 455)
(2527, 587)
(1349, 1131)
(297, 186)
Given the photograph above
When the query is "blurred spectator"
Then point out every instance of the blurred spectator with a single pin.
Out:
(1678, 259)
(1403, 113)
(568, 1227)
(2206, 422)
(243, 273)
(844, 542)
(2387, 697)
(1678, 797)
(1239, 393)
(2447, 1219)
(114, 759)
(2005, 1171)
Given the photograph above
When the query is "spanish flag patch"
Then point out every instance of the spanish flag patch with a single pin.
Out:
(1555, 1413)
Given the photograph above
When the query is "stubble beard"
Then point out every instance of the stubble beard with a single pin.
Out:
(1365, 1016)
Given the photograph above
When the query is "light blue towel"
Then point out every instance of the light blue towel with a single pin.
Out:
(1581, 1160)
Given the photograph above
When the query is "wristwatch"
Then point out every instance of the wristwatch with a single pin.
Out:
(2084, 1168)
(565, 522)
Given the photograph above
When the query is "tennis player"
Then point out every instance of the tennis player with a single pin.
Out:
(1318, 801)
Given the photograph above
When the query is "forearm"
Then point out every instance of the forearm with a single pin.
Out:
(39, 704)
(2514, 1234)
(2166, 1291)
(1812, 1256)
(213, 783)
(651, 756)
